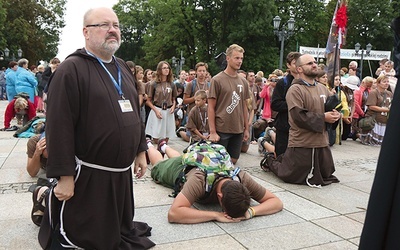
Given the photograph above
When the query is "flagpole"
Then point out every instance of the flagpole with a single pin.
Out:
(334, 65)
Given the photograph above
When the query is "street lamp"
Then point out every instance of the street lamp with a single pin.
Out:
(178, 63)
(357, 48)
(5, 54)
(284, 33)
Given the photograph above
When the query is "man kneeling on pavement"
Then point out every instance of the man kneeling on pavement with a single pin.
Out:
(308, 158)
(205, 174)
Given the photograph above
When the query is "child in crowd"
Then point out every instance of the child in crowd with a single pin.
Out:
(198, 120)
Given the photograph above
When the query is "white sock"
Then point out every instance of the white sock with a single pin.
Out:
(149, 144)
(163, 147)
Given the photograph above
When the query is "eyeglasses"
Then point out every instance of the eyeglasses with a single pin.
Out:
(273, 80)
(104, 26)
(309, 63)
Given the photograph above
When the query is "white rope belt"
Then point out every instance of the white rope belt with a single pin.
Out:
(78, 167)
(79, 163)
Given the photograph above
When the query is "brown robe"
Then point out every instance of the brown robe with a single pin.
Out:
(308, 159)
(84, 119)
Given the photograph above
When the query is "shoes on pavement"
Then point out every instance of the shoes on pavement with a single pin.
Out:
(179, 130)
(260, 143)
(268, 156)
(161, 143)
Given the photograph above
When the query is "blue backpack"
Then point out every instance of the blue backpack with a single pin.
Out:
(194, 82)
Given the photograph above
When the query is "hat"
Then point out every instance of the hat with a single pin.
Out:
(351, 82)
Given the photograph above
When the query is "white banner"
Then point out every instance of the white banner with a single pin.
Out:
(347, 53)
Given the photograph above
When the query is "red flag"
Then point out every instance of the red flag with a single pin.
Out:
(336, 39)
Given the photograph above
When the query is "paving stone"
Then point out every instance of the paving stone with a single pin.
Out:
(295, 236)
(165, 232)
(340, 245)
(336, 197)
(341, 225)
(215, 242)
(304, 208)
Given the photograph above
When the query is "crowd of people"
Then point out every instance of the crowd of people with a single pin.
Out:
(24, 87)
(302, 113)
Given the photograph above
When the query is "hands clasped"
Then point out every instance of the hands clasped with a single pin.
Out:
(332, 116)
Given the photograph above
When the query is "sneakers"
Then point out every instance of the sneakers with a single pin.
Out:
(260, 143)
(179, 130)
(268, 132)
(161, 143)
(12, 128)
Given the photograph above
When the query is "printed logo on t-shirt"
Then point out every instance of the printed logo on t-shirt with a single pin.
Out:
(235, 102)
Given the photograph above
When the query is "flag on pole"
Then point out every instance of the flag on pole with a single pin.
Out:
(336, 39)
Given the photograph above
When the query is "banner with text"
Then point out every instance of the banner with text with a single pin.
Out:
(347, 53)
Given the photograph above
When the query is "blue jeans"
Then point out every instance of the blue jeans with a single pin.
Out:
(3, 95)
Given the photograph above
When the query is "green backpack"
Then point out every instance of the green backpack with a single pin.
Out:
(212, 159)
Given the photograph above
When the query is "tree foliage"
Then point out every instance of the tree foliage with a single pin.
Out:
(33, 26)
(369, 22)
(155, 30)
(204, 28)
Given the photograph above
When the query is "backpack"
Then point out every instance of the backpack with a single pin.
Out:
(194, 82)
(212, 159)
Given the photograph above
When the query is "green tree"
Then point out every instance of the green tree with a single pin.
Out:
(251, 27)
(369, 22)
(3, 15)
(34, 27)
(134, 17)
(312, 22)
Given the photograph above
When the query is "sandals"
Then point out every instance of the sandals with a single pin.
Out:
(264, 162)
(38, 208)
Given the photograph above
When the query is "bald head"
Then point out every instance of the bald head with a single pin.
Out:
(95, 12)
(102, 33)
(307, 67)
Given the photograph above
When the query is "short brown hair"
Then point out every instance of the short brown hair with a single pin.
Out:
(12, 64)
(292, 56)
(201, 93)
(235, 198)
(55, 60)
(200, 64)
(259, 79)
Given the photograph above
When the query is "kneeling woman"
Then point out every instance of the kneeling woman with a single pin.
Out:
(378, 103)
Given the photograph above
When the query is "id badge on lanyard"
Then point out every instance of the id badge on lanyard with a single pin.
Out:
(125, 105)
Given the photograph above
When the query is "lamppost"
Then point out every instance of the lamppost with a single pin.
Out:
(284, 33)
(178, 62)
(357, 47)
(5, 54)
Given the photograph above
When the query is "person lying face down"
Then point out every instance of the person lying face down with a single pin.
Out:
(233, 194)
